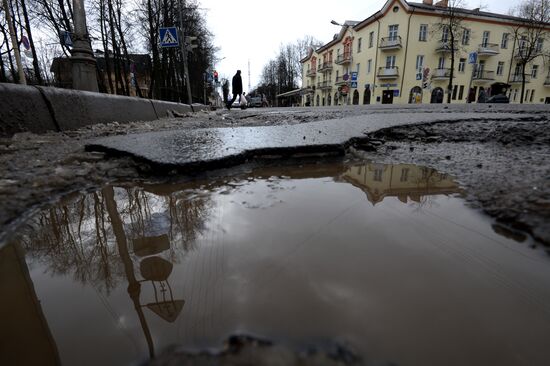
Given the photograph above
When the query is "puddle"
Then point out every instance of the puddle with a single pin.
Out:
(385, 259)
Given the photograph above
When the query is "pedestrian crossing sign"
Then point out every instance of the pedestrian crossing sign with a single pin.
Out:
(169, 37)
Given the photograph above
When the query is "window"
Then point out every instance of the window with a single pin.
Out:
(371, 39)
(526, 95)
(462, 65)
(445, 34)
(390, 62)
(504, 43)
(534, 71)
(419, 62)
(423, 35)
(485, 39)
(500, 68)
(532, 95)
(404, 175)
(455, 90)
(461, 92)
(466, 36)
(540, 43)
(359, 44)
(369, 66)
(337, 76)
(441, 63)
(392, 33)
(378, 175)
(357, 68)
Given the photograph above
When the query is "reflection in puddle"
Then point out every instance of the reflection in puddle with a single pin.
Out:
(292, 254)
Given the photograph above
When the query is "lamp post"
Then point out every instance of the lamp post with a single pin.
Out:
(82, 57)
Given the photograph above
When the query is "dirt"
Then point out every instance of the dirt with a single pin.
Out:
(504, 166)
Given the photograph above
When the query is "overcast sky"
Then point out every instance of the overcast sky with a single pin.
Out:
(253, 29)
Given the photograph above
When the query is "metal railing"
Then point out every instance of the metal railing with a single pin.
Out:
(518, 78)
(388, 72)
(441, 74)
(311, 73)
(343, 59)
(390, 42)
(324, 84)
(488, 49)
(326, 66)
(484, 75)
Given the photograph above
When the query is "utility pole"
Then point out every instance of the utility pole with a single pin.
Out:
(82, 57)
(184, 55)
(15, 45)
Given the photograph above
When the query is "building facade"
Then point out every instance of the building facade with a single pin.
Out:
(401, 55)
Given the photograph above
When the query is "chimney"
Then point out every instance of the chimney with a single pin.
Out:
(428, 2)
(442, 3)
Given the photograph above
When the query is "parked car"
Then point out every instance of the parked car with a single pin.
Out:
(500, 98)
(254, 102)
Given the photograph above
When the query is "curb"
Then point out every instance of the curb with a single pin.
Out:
(40, 109)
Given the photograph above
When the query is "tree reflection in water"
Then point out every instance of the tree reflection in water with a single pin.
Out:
(76, 237)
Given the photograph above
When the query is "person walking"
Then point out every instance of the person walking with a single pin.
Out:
(225, 91)
(237, 88)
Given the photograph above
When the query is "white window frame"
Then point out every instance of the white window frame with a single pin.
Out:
(462, 65)
(500, 68)
(504, 42)
(466, 36)
(485, 38)
(534, 71)
(390, 62)
(393, 32)
(423, 33)
(369, 66)
(371, 39)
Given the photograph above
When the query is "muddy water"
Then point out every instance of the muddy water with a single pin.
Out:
(384, 259)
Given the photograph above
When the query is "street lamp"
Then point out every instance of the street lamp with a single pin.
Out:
(82, 57)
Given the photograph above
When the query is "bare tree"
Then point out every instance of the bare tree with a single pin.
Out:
(451, 29)
(530, 35)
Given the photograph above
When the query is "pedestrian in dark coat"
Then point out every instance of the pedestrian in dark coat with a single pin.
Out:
(225, 90)
(237, 88)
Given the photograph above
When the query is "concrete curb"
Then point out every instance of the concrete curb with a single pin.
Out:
(41, 109)
(23, 108)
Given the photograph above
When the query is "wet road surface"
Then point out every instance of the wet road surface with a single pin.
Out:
(386, 259)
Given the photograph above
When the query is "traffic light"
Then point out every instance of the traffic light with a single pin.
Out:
(215, 76)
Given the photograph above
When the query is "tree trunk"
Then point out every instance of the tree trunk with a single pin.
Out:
(33, 49)
(522, 82)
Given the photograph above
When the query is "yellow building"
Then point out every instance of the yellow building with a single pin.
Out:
(397, 55)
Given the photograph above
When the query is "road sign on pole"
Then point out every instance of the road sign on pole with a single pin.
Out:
(354, 76)
(169, 37)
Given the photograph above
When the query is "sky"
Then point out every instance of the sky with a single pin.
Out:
(254, 29)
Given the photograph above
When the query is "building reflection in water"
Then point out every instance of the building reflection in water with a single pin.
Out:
(404, 181)
(133, 236)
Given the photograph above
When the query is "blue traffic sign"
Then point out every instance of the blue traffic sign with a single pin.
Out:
(169, 37)
(354, 84)
(354, 76)
(472, 58)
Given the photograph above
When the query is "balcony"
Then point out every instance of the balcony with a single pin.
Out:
(518, 79)
(488, 49)
(484, 75)
(441, 74)
(521, 53)
(327, 66)
(388, 73)
(324, 85)
(390, 43)
(340, 81)
(311, 73)
(443, 47)
(343, 59)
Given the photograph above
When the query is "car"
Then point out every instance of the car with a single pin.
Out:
(255, 102)
(499, 98)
